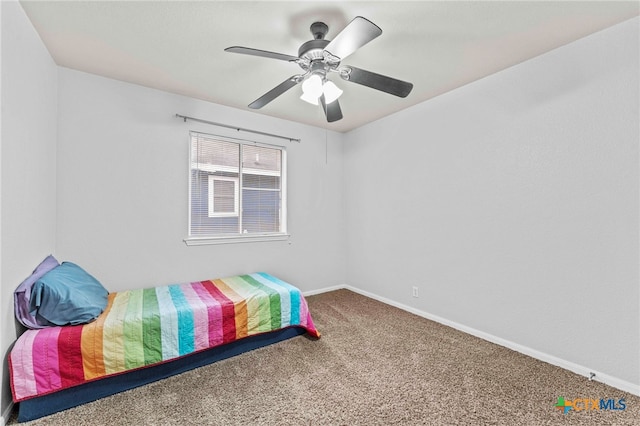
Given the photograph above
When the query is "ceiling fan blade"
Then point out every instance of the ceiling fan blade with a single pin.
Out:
(332, 110)
(356, 34)
(263, 53)
(377, 81)
(274, 93)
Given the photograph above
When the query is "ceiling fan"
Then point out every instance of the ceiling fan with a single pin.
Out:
(320, 57)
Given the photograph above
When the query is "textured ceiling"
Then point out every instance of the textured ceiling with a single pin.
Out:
(178, 46)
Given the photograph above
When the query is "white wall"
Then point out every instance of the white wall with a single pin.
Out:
(123, 193)
(28, 166)
(512, 203)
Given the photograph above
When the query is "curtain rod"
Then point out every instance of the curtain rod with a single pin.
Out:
(185, 118)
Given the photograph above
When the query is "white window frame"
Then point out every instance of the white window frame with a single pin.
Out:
(283, 235)
(236, 197)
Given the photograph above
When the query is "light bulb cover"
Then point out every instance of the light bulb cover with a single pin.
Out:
(331, 91)
(312, 86)
(313, 100)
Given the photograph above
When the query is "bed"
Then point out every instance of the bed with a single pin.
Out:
(148, 334)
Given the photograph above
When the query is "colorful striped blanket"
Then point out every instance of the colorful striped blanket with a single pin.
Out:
(144, 327)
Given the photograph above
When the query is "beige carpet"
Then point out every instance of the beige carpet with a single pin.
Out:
(374, 365)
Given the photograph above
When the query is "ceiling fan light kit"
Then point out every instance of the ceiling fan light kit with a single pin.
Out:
(313, 87)
(319, 57)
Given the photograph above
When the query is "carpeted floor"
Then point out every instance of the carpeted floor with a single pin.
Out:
(374, 365)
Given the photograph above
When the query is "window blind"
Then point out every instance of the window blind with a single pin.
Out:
(236, 188)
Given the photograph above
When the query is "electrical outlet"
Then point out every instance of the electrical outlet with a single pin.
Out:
(414, 291)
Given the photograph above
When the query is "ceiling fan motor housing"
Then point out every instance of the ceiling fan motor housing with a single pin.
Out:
(312, 52)
(313, 49)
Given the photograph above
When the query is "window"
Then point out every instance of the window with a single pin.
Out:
(236, 190)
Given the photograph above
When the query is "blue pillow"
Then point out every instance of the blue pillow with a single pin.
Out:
(67, 295)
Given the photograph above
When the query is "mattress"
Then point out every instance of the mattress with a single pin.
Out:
(147, 327)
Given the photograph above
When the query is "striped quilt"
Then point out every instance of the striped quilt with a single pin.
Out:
(144, 327)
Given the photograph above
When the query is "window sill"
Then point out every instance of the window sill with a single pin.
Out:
(202, 241)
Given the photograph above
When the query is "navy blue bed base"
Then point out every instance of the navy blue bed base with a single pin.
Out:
(45, 405)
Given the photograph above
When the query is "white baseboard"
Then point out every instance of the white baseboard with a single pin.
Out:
(324, 290)
(558, 362)
(6, 414)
